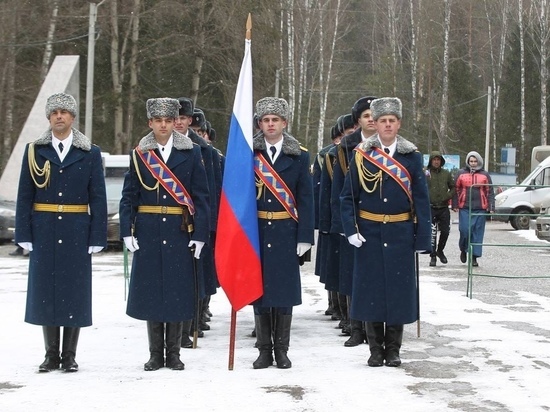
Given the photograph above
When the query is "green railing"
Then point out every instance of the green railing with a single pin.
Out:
(471, 274)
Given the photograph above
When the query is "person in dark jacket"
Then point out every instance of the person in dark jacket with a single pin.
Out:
(441, 186)
(165, 206)
(474, 198)
(61, 218)
(385, 213)
(285, 223)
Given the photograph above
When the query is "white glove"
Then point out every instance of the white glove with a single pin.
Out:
(356, 239)
(131, 243)
(26, 246)
(94, 249)
(198, 247)
(303, 248)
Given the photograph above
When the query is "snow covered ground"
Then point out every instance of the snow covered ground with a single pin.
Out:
(473, 354)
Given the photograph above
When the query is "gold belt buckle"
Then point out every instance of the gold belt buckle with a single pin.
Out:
(60, 208)
(386, 218)
(164, 210)
(269, 215)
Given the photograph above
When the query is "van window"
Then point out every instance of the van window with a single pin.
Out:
(543, 178)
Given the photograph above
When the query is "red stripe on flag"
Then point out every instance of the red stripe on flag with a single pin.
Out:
(236, 260)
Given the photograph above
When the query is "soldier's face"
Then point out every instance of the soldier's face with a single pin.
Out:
(182, 123)
(61, 121)
(272, 126)
(388, 127)
(366, 122)
(162, 127)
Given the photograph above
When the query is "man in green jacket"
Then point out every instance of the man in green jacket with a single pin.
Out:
(442, 188)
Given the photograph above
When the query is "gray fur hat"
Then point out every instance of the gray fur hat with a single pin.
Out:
(61, 101)
(386, 106)
(162, 107)
(272, 105)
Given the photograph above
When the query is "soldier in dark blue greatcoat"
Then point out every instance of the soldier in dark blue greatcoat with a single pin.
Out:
(61, 219)
(165, 206)
(386, 215)
(285, 221)
(361, 116)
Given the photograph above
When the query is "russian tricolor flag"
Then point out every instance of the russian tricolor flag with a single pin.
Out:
(237, 241)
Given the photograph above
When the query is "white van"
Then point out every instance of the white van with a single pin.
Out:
(520, 203)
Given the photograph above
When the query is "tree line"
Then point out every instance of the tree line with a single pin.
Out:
(439, 56)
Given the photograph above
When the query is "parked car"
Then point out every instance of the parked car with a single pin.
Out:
(113, 187)
(543, 227)
(521, 203)
(7, 220)
(115, 167)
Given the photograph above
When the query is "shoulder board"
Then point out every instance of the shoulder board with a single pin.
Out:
(303, 148)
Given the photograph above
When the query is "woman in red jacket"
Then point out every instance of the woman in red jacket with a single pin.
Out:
(481, 200)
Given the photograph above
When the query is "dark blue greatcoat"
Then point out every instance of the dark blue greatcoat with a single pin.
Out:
(279, 238)
(162, 283)
(60, 269)
(330, 251)
(384, 281)
(316, 181)
(208, 268)
(342, 156)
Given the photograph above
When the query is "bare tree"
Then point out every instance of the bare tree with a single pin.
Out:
(445, 77)
(544, 34)
(49, 39)
(323, 95)
(522, 75)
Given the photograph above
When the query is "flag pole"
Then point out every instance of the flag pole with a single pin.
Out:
(233, 326)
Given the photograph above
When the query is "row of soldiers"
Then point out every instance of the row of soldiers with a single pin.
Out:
(373, 216)
(334, 260)
(170, 201)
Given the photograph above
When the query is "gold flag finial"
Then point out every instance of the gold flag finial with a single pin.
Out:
(249, 27)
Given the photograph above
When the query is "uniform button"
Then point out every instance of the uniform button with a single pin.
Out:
(269, 245)
(60, 194)
(60, 170)
(268, 200)
(385, 245)
(164, 196)
(60, 217)
(385, 199)
(164, 242)
(59, 241)
(164, 219)
(269, 223)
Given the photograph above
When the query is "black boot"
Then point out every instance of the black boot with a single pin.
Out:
(281, 340)
(186, 342)
(433, 261)
(330, 308)
(68, 354)
(155, 334)
(344, 322)
(206, 314)
(335, 315)
(263, 341)
(393, 339)
(51, 342)
(202, 323)
(375, 336)
(357, 334)
(173, 344)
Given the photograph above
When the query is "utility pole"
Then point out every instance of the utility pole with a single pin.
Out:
(487, 129)
(90, 72)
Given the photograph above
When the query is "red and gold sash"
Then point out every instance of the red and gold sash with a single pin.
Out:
(275, 184)
(389, 165)
(166, 178)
